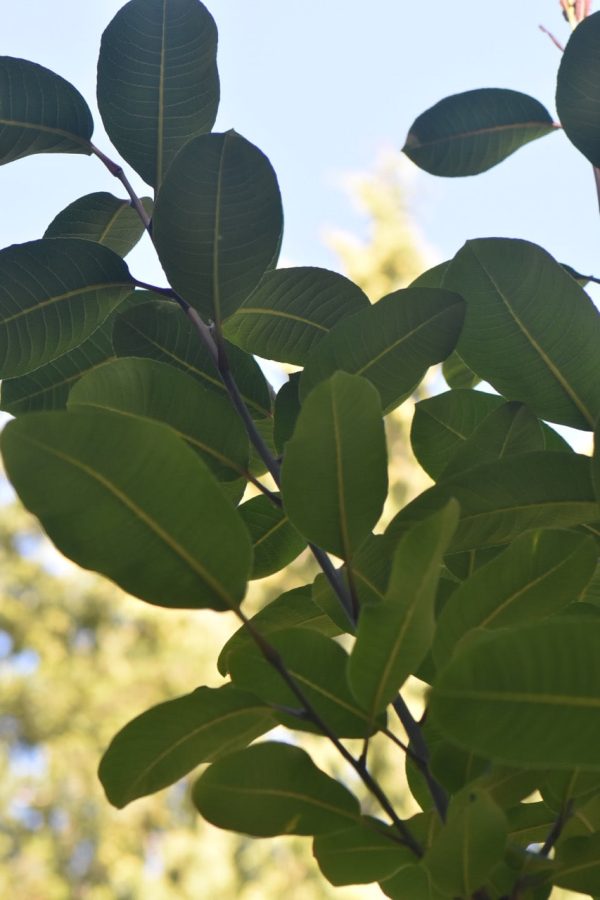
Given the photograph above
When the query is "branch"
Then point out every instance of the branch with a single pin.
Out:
(556, 830)
(420, 754)
(117, 170)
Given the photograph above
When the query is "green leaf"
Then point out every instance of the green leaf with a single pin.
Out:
(457, 373)
(159, 330)
(469, 845)
(127, 498)
(287, 407)
(318, 666)
(334, 476)
(40, 112)
(507, 431)
(578, 864)
(163, 744)
(270, 789)
(526, 696)
(577, 95)
(291, 609)
(291, 310)
(158, 84)
(392, 343)
(529, 330)
(470, 132)
(529, 823)
(536, 576)
(501, 500)
(53, 295)
(275, 541)
(559, 787)
(367, 852)
(217, 222)
(443, 424)
(411, 881)
(143, 387)
(103, 218)
(394, 635)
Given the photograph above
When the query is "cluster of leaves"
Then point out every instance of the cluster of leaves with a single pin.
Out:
(141, 416)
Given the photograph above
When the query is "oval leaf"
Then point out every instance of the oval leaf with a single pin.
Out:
(334, 476)
(527, 696)
(53, 295)
(153, 390)
(392, 343)
(275, 541)
(577, 94)
(470, 132)
(530, 330)
(127, 498)
(291, 310)
(158, 84)
(218, 222)
(103, 218)
(364, 853)
(40, 112)
(163, 744)
(270, 789)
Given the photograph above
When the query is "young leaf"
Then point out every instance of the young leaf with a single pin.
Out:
(163, 744)
(103, 218)
(143, 387)
(158, 84)
(217, 222)
(392, 343)
(578, 864)
(291, 310)
(501, 500)
(160, 331)
(526, 696)
(275, 541)
(127, 498)
(469, 845)
(318, 665)
(40, 112)
(470, 132)
(367, 852)
(577, 94)
(334, 476)
(536, 576)
(270, 789)
(291, 609)
(53, 295)
(394, 635)
(529, 329)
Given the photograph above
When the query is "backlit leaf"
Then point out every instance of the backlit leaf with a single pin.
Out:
(103, 218)
(367, 852)
(275, 541)
(577, 94)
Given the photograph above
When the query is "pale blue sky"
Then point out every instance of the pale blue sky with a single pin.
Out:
(322, 86)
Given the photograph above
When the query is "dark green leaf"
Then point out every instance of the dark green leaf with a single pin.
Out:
(469, 845)
(275, 541)
(158, 83)
(163, 744)
(318, 665)
(457, 374)
(578, 864)
(394, 635)
(559, 787)
(270, 789)
(529, 330)
(536, 576)
(217, 222)
(334, 475)
(529, 823)
(500, 500)
(369, 851)
(40, 112)
(127, 498)
(53, 295)
(470, 132)
(392, 343)
(143, 387)
(577, 95)
(412, 882)
(526, 696)
(291, 310)
(103, 218)
(292, 609)
(287, 407)
(159, 330)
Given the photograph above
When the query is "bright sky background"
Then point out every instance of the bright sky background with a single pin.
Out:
(323, 86)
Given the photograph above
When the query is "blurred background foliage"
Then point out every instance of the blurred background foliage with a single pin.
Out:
(79, 659)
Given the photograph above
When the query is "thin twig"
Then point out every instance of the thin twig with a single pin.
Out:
(556, 830)
(554, 40)
(421, 755)
(117, 170)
